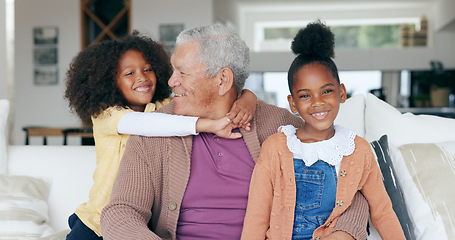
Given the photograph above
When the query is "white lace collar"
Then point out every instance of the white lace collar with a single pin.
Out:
(330, 151)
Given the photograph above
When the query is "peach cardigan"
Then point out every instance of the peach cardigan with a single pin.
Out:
(271, 201)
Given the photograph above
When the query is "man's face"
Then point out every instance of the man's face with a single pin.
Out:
(194, 92)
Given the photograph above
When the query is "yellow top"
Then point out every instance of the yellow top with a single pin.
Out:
(110, 146)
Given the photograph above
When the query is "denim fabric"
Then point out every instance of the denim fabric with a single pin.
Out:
(316, 194)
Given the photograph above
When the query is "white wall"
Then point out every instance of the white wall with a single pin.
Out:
(3, 70)
(146, 15)
(43, 105)
(440, 47)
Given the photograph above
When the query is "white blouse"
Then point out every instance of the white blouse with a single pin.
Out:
(330, 151)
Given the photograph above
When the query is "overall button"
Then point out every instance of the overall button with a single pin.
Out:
(339, 203)
(172, 205)
(220, 154)
(123, 145)
(215, 139)
(343, 173)
(317, 238)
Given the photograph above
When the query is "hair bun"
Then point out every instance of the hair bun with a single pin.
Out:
(315, 40)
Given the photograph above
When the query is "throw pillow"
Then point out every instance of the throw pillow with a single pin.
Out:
(23, 207)
(393, 188)
(426, 172)
(382, 118)
(4, 108)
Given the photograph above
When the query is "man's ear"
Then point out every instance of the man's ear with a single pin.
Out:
(226, 80)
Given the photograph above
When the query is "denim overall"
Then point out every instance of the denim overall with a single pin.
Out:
(316, 194)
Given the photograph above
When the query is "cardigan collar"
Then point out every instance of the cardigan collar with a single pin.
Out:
(330, 151)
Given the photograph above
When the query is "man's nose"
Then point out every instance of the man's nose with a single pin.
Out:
(174, 80)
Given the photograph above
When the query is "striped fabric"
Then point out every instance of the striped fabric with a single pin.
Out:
(426, 172)
(23, 208)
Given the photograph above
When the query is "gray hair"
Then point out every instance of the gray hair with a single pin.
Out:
(219, 48)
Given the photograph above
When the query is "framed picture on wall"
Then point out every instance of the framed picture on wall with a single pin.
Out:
(45, 35)
(46, 75)
(45, 56)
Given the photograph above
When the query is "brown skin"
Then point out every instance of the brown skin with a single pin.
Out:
(136, 80)
(316, 96)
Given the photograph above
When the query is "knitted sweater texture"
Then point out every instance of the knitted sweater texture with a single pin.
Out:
(154, 171)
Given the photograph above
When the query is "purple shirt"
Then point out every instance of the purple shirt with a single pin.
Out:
(215, 199)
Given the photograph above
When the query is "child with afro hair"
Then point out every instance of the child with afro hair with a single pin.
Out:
(113, 86)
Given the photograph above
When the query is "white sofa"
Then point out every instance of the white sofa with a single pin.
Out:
(68, 170)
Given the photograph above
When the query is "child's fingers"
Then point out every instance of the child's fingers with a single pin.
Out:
(233, 111)
(246, 118)
(238, 118)
(246, 126)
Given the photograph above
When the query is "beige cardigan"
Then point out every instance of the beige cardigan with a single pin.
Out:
(271, 200)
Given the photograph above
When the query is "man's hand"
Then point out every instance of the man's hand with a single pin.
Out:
(339, 235)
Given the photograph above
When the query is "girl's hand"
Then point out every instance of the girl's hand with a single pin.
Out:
(221, 127)
(243, 109)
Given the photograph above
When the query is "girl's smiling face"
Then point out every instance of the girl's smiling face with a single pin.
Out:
(316, 96)
(136, 80)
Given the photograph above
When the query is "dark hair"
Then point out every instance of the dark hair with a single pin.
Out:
(313, 44)
(91, 85)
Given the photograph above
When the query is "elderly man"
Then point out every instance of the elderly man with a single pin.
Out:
(196, 187)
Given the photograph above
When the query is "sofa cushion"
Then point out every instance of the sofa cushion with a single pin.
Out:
(69, 169)
(426, 172)
(393, 188)
(351, 114)
(381, 118)
(23, 207)
(4, 108)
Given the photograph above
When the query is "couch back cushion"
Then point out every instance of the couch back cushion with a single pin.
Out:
(4, 109)
(68, 169)
(352, 114)
(383, 119)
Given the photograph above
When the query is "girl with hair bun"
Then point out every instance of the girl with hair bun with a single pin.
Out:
(306, 178)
